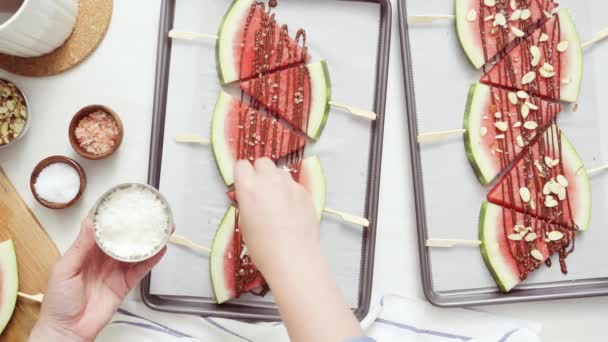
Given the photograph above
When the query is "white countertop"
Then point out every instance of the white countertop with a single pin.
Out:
(121, 75)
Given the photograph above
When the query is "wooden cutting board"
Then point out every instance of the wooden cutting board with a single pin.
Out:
(36, 255)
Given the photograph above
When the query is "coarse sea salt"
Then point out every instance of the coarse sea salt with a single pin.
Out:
(58, 183)
(132, 223)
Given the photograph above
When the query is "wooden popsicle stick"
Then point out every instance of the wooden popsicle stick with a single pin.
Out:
(182, 241)
(598, 37)
(361, 221)
(36, 298)
(191, 139)
(428, 19)
(449, 243)
(187, 35)
(355, 111)
(592, 172)
(440, 135)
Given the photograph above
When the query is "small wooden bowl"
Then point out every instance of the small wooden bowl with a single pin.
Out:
(74, 123)
(52, 160)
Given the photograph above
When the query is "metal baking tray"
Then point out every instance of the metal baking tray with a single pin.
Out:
(267, 311)
(546, 283)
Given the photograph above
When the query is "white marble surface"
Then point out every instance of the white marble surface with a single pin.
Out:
(121, 75)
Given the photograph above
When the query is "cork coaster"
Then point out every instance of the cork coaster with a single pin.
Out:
(92, 24)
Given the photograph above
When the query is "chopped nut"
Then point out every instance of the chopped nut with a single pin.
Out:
(528, 78)
(522, 94)
(550, 202)
(555, 235)
(561, 180)
(543, 37)
(500, 20)
(525, 111)
(517, 32)
(536, 254)
(517, 124)
(525, 195)
(531, 237)
(530, 125)
(515, 15)
(535, 52)
(520, 141)
(512, 97)
(531, 105)
(501, 125)
(525, 14)
(514, 237)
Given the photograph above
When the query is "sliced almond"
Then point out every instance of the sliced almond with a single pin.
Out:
(530, 125)
(554, 187)
(472, 15)
(543, 37)
(561, 180)
(525, 111)
(531, 237)
(489, 3)
(513, 4)
(538, 166)
(535, 52)
(533, 205)
(17, 126)
(525, 14)
(536, 254)
(10, 104)
(484, 131)
(561, 194)
(488, 18)
(528, 78)
(518, 228)
(500, 20)
(548, 14)
(515, 15)
(501, 125)
(512, 98)
(548, 67)
(517, 124)
(520, 141)
(517, 32)
(550, 202)
(546, 73)
(547, 188)
(498, 115)
(555, 235)
(525, 195)
(531, 105)
(522, 95)
(500, 136)
(562, 46)
(4, 129)
(514, 237)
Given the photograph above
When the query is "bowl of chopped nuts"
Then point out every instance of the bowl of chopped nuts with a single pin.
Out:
(96, 132)
(14, 114)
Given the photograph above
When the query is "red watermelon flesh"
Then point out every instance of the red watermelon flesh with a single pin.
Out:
(548, 63)
(482, 31)
(516, 244)
(232, 271)
(258, 44)
(549, 182)
(495, 121)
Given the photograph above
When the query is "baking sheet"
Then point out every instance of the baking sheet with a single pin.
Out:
(189, 177)
(452, 195)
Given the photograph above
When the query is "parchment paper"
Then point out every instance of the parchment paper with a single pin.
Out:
(346, 35)
(453, 196)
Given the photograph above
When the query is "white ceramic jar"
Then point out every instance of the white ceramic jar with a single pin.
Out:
(31, 28)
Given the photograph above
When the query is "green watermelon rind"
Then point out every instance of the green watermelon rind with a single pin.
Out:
(10, 282)
(221, 241)
(473, 51)
(491, 256)
(321, 89)
(224, 49)
(219, 144)
(318, 182)
(571, 91)
(472, 143)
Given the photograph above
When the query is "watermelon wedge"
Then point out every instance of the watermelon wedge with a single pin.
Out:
(486, 29)
(548, 181)
(241, 132)
(494, 121)
(549, 63)
(514, 244)
(300, 95)
(232, 272)
(251, 43)
(309, 173)
(9, 282)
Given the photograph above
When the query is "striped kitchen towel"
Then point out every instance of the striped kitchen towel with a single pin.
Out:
(395, 318)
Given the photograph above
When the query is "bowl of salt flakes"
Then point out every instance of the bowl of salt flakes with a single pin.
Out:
(96, 132)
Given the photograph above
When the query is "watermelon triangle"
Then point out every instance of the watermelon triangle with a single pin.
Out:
(496, 121)
(513, 244)
(251, 42)
(548, 182)
(548, 63)
(300, 95)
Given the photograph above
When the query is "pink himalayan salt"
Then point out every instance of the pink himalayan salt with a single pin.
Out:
(97, 132)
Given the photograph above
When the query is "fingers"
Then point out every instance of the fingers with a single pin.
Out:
(243, 173)
(137, 271)
(76, 256)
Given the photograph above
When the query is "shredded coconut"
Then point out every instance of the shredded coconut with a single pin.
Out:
(132, 223)
(97, 132)
(58, 183)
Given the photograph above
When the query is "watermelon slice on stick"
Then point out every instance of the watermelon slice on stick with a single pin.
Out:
(251, 42)
(300, 95)
(548, 63)
(232, 272)
(308, 173)
(240, 132)
(548, 181)
(495, 121)
(514, 244)
(9, 281)
(488, 28)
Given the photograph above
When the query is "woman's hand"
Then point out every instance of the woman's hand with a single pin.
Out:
(85, 289)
